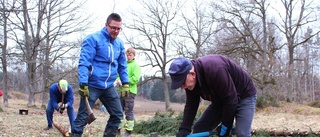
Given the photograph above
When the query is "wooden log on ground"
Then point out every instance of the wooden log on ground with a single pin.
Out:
(62, 130)
(285, 132)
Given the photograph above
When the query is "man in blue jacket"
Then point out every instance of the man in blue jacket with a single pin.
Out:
(217, 79)
(102, 59)
(61, 97)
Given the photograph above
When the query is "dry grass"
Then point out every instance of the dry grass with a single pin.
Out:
(292, 108)
(12, 124)
(289, 116)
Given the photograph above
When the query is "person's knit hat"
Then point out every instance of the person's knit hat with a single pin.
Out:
(178, 71)
(63, 84)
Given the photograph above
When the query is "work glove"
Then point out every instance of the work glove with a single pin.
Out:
(83, 90)
(60, 104)
(224, 131)
(60, 108)
(125, 90)
(182, 133)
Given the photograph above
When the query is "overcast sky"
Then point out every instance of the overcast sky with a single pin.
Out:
(102, 8)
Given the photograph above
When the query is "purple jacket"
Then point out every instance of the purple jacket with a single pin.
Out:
(220, 81)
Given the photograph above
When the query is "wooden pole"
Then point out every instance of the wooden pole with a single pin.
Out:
(62, 130)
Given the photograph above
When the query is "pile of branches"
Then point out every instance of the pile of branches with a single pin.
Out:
(166, 123)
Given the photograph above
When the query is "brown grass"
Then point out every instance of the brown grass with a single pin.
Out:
(292, 108)
(12, 124)
(289, 116)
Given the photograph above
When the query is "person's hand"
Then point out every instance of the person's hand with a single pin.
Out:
(62, 107)
(117, 83)
(61, 110)
(84, 91)
(182, 133)
(125, 90)
(224, 131)
(60, 104)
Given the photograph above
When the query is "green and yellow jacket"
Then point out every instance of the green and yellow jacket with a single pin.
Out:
(134, 73)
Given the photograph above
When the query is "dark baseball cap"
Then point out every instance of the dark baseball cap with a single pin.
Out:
(178, 71)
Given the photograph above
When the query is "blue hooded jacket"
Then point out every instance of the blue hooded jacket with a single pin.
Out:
(101, 60)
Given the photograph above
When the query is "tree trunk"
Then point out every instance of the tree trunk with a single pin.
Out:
(166, 93)
(4, 59)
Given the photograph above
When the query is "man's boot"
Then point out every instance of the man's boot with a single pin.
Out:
(129, 127)
(110, 133)
(48, 128)
(75, 135)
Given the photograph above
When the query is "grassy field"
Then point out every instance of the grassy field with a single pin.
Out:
(289, 116)
(12, 124)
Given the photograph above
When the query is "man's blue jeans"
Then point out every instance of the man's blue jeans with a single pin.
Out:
(211, 118)
(50, 110)
(110, 99)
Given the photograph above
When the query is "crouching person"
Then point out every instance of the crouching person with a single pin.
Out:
(226, 85)
(61, 98)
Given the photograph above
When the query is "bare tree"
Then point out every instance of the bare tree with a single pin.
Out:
(195, 33)
(197, 29)
(5, 9)
(152, 30)
(55, 12)
(248, 37)
(298, 14)
(45, 23)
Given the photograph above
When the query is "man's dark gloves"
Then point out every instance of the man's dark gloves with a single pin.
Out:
(125, 90)
(182, 133)
(83, 90)
(61, 109)
(224, 131)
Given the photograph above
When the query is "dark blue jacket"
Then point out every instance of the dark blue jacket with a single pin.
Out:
(56, 96)
(220, 81)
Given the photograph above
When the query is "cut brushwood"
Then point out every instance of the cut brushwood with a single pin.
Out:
(62, 130)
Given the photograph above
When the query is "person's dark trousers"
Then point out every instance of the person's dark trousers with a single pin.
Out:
(110, 99)
(127, 104)
(50, 111)
(212, 116)
(209, 119)
(244, 116)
